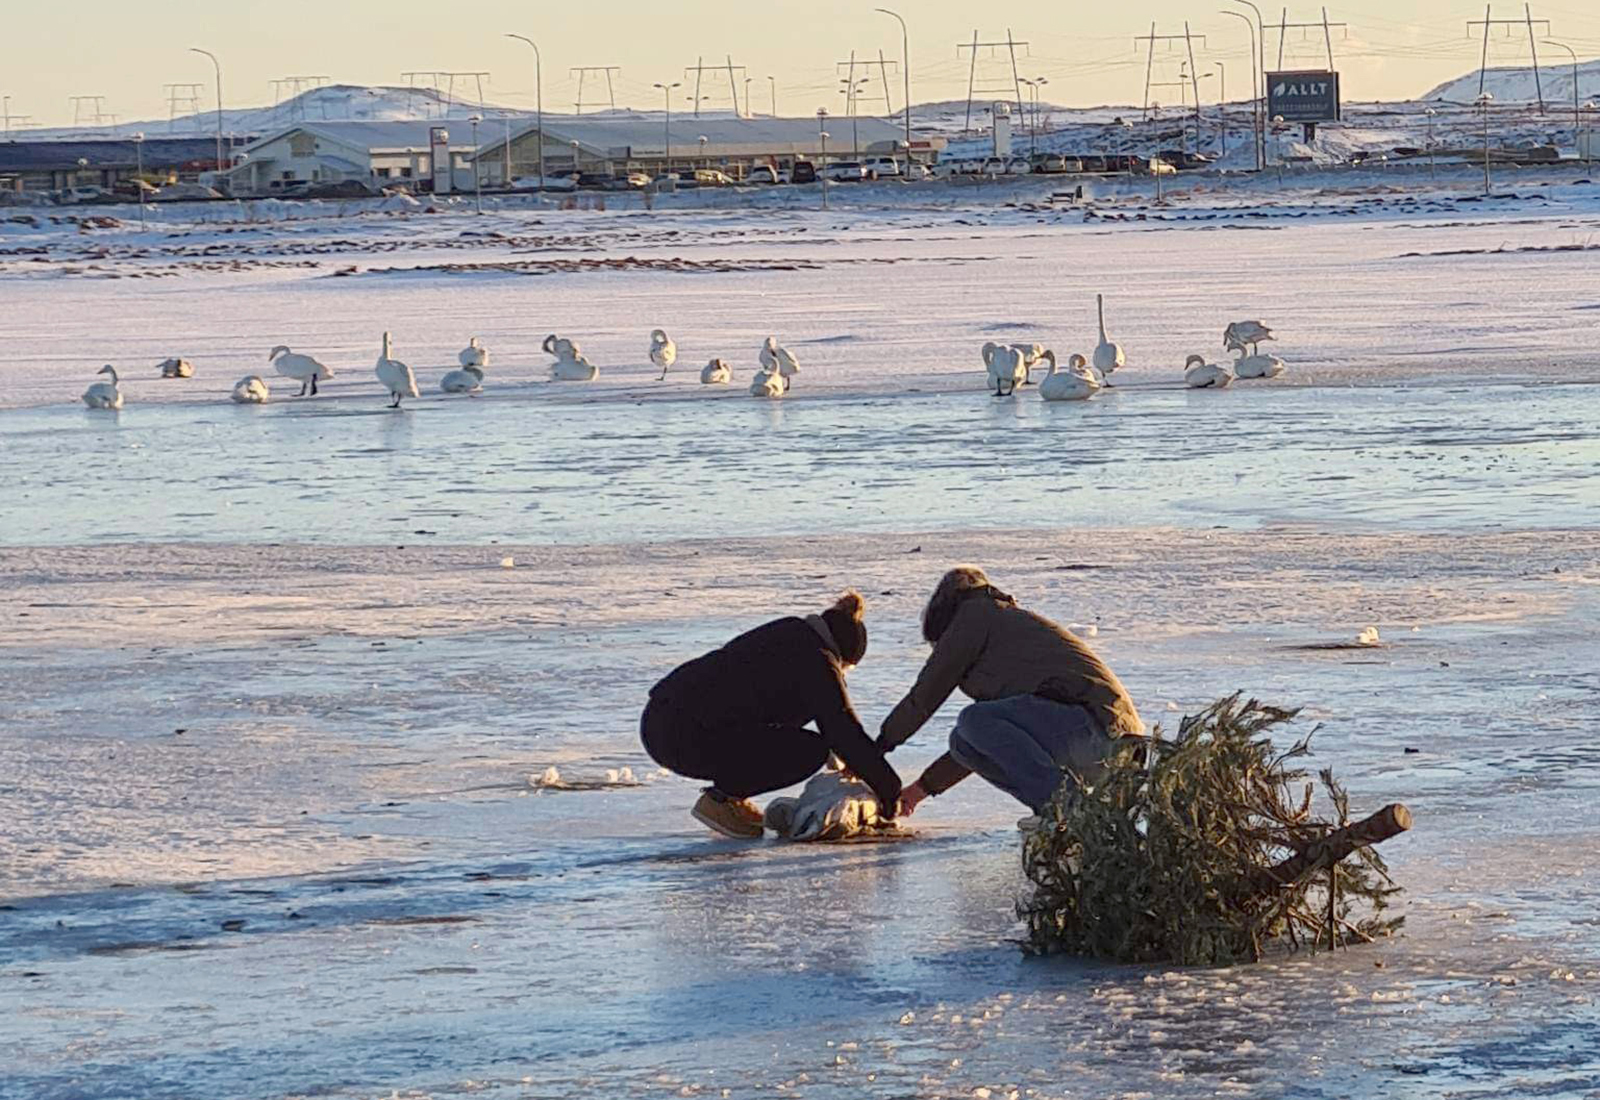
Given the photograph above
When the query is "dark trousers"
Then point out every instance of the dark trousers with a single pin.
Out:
(738, 760)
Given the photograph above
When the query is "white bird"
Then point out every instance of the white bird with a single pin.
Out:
(302, 368)
(1032, 356)
(104, 395)
(1258, 366)
(1241, 333)
(474, 354)
(776, 357)
(1076, 383)
(575, 369)
(176, 368)
(468, 379)
(1006, 368)
(560, 347)
(768, 382)
(250, 390)
(1369, 636)
(395, 375)
(716, 373)
(1200, 375)
(663, 352)
(1108, 357)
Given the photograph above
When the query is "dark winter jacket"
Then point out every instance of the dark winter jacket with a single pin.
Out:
(782, 673)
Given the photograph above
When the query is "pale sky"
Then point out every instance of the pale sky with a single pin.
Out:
(126, 51)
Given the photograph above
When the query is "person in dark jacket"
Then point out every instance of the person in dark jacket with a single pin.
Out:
(1045, 704)
(737, 716)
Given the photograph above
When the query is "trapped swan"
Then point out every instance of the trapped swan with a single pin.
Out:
(250, 390)
(104, 395)
(302, 368)
(465, 380)
(774, 356)
(473, 355)
(1240, 334)
(1006, 366)
(1076, 383)
(768, 382)
(176, 368)
(1258, 366)
(395, 375)
(716, 373)
(1108, 357)
(1200, 375)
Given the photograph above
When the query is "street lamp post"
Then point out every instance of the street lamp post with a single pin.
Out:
(666, 126)
(218, 66)
(749, 112)
(1588, 135)
(138, 179)
(905, 68)
(477, 173)
(772, 86)
(822, 135)
(1255, 98)
(1575, 107)
(851, 89)
(1482, 103)
(1222, 107)
(1261, 63)
(538, 90)
(1278, 128)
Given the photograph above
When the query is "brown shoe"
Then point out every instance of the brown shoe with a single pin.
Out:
(737, 818)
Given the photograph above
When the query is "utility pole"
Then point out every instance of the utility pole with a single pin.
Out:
(96, 114)
(582, 71)
(772, 85)
(666, 126)
(1527, 20)
(1261, 67)
(1575, 108)
(905, 68)
(7, 118)
(1011, 44)
(1255, 94)
(1150, 41)
(187, 94)
(699, 68)
(538, 84)
(849, 68)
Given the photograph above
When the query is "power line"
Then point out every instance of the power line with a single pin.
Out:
(1011, 45)
(1488, 21)
(187, 94)
(1150, 40)
(700, 68)
(1284, 25)
(582, 71)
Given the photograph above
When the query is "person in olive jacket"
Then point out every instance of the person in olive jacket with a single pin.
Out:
(737, 716)
(1046, 704)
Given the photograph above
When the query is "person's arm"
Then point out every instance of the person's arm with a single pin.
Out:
(842, 732)
(954, 653)
(935, 779)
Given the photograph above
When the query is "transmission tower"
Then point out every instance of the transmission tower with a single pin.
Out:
(1527, 20)
(1150, 41)
(1327, 33)
(448, 88)
(850, 67)
(992, 85)
(700, 68)
(96, 113)
(188, 95)
(607, 71)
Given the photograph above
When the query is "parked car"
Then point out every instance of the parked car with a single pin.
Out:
(710, 177)
(1094, 163)
(133, 189)
(804, 172)
(992, 166)
(1018, 166)
(1158, 167)
(766, 173)
(844, 171)
(182, 192)
(879, 168)
(551, 183)
(1185, 160)
(916, 170)
(69, 196)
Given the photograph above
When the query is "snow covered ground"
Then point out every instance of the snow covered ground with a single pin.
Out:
(280, 683)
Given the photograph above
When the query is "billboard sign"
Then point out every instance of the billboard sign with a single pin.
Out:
(1303, 96)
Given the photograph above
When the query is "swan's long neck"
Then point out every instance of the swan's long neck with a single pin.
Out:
(112, 371)
(388, 345)
(1100, 307)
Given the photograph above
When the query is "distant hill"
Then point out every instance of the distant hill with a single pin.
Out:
(1516, 85)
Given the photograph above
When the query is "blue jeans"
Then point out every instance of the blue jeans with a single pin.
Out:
(1024, 744)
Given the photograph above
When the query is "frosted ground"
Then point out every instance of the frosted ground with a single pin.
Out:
(275, 712)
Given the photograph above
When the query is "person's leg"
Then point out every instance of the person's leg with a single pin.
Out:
(750, 761)
(1071, 735)
(989, 739)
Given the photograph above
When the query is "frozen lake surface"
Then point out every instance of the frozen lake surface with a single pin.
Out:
(274, 711)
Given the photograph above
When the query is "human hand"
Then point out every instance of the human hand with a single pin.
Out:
(910, 797)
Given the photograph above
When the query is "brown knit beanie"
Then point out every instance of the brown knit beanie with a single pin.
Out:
(844, 623)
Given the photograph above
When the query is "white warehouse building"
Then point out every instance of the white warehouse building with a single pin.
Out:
(385, 153)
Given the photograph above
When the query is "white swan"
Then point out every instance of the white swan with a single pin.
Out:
(468, 379)
(1200, 375)
(104, 395)
(560, 347)
(396, 377)
(1076, 383)
(302, 368)
(1032, 356)
(176, 368)
(1258, 366)
(1108, 357)
(716, 373)
(575, 369)
(474, 354)
(1241, 333)
(663, 352)
(776, 357)
(1006, 367)
(250, 390)
(768, 382)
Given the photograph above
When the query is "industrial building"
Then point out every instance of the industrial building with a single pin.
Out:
(376, 153)
(101, 162)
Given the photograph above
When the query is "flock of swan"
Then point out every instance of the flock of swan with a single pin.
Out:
(1008, 366)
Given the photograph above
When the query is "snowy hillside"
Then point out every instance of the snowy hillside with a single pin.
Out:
(1516, 85)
